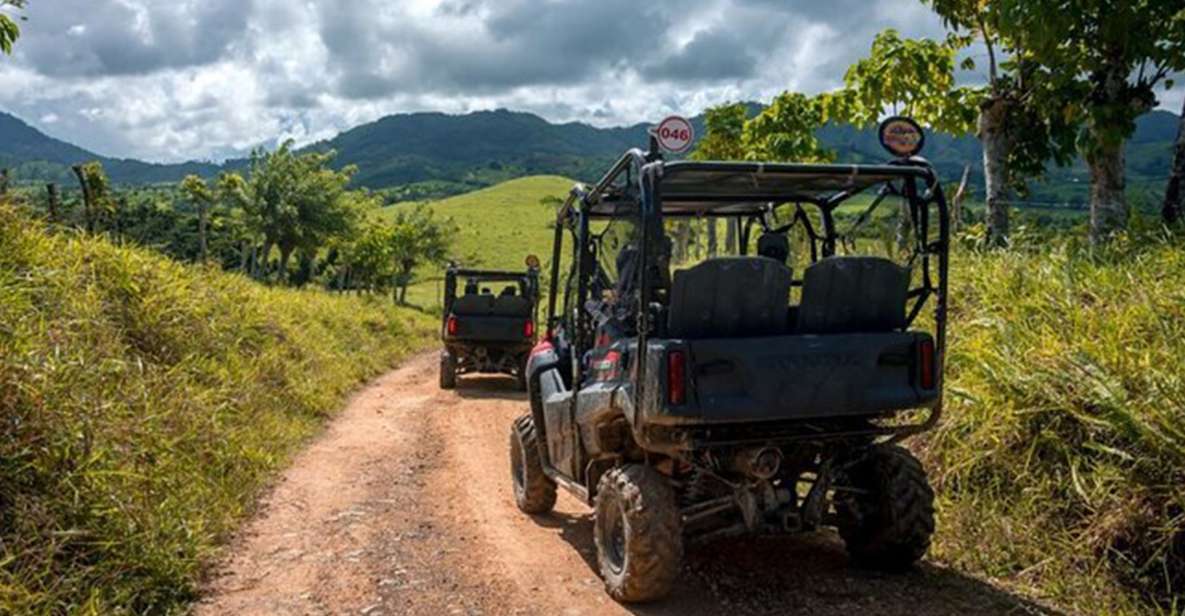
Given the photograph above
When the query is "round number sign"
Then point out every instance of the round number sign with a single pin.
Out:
(675, 134)
(902, 136)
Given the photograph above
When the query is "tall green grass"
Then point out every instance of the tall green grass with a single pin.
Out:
(1060, 463)
(144, 404)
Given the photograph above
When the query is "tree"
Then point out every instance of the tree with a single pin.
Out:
(723, 140)
(233, 192)
(910, 77)
(997, 105)
(96, 193)
(1117, 52)
(1174, 194)
(1020, 125)
(9, 30)
(366, 260)
(785, 131)
(915, 78)
(724, 130)
(201, 197)
(416, 238)
(295, 201)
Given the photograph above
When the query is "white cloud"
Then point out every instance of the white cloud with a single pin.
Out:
(181, 79)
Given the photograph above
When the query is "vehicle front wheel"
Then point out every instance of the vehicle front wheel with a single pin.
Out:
(534, 491)
(638, 534)
(887, 520)
(448, 371)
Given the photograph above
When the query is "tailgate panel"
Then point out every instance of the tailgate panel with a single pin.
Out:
(800, 377)
(490, 329)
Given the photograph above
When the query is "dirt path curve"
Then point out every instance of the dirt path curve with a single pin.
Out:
(403, 506)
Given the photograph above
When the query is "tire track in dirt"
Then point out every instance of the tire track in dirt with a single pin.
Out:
(404, 506)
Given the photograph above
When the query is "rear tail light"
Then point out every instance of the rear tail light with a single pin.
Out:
(676, 377)
(451, 326)
(926, 364)
(528, 329)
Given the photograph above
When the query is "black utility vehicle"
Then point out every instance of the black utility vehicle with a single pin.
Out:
(738, 395)
(489, 322)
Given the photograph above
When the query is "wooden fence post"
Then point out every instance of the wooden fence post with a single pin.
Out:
(52, 190)
(87, 199)
(957, 201)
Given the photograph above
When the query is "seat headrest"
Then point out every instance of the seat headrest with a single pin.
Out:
(730, 297)
(774, 246)
(853, 295)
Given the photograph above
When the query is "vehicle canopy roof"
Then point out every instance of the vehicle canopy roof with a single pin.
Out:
(694, 188)
(491, 275)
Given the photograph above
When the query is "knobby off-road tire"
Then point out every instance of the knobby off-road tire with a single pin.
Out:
(448, 371)
(534, 492)
(638, 534)
(888, 527)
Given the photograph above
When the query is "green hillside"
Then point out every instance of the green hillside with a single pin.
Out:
(31, 155)
(499, 227)
(145, 405)
(489, 145)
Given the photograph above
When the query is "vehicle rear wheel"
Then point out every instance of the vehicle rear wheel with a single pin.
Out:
(638, 534)
(534, 491)
(448, 371)
(887, 524)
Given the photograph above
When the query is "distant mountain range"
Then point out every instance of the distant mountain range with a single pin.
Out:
(32, 155)
(484, 147)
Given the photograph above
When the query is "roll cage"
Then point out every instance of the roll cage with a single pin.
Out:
(527, 282)
(644, 188)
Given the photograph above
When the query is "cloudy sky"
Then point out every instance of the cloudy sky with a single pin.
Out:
(170, 80)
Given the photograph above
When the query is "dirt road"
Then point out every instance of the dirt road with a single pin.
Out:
(403, 507)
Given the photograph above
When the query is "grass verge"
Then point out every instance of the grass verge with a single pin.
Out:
(145, 404)
(1060, 463)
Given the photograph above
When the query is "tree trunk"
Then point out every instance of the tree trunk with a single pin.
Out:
(1174, 194)
(993, 134)
(405, 272)
(264, 256)
(116, 221)
(52, 193)
(245, 256)
(88, 215)
(711, 237)
(957, 201)
(731, 236)
(4, 181)
(1104, 153)
(202, 222)
(1108, 203)
(285, 254)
